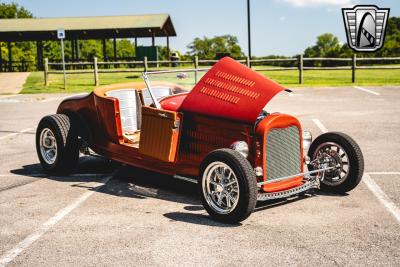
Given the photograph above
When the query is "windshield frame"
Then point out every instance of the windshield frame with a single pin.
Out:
(149, 87)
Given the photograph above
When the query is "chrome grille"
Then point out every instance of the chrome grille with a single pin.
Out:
(283, 152)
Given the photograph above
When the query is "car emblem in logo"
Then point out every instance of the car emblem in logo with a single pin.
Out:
(365, 27)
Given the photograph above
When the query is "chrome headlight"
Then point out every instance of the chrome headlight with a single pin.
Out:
(241, 147)
(307, 139)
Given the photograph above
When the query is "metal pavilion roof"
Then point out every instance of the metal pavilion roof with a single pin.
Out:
(32, 29)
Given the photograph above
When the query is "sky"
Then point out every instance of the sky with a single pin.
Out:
(280, 27)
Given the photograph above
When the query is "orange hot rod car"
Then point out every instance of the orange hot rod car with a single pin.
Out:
(217, 135)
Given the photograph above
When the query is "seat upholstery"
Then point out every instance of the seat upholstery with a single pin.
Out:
(130, 108)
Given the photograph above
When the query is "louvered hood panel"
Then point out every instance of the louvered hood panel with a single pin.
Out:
(231, 90)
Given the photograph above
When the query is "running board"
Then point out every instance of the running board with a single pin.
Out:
(313, 183)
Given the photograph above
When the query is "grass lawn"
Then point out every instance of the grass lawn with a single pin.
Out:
(85, 82)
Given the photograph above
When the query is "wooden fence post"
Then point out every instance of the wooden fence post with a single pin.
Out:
(46, 71)
(248, 62)
(353, 68)
(96, 72)
(145, 65)
(196, 66)
(300, 66)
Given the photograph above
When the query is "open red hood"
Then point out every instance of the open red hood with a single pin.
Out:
(231, 90)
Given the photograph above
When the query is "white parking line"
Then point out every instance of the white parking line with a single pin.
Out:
(9, 100)
(14, 134)
(384, 173)
(8, 96)
(366, 90)
(382, 197)
(320, 125)
(46, 175)
(30, 239)
(372, 186)
(19, 175)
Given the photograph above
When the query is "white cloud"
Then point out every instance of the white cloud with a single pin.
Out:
(312, 3)
(282, 18)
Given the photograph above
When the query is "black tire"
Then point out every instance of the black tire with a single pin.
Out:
(67, 143)
(355, 158)
(247, 184)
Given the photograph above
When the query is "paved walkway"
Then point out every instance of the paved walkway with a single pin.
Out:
(11, 83)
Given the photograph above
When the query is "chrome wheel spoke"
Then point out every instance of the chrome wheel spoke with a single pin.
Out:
(219, 201)
(48, 146)
(45, 145)
(330, 154)
(230, 183)
(229, 199)
(214, 183)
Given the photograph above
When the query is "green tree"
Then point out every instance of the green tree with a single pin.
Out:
(327, 45)
(21, 51)
(209, 48)
(125, 49)
(13, 11)
(391, 46)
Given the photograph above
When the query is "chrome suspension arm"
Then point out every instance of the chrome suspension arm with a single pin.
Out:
(293, 176)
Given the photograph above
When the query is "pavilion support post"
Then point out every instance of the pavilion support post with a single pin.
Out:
(1, 60)
(153, 40)
(77, 50)
(73, 50)
(39, 51)
(115, 48)
(168, 52)
(37, 55)
(10, 67)
(136, 46)
(104, 49)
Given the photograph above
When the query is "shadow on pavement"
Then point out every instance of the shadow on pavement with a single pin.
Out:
(196, 218)
(138, 183)
(126, 181)
(87, 165)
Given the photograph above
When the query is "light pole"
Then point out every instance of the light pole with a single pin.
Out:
(248, 29)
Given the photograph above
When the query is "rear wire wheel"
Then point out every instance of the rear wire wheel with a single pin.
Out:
(57, 144)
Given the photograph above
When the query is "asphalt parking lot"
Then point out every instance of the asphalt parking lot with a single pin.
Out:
(110, 215)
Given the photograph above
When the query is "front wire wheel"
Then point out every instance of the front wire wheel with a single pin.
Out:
(332, 155)
(227, 186)
(220, 187)
(340, 152)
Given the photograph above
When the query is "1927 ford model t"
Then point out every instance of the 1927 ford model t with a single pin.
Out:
(216, 134)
